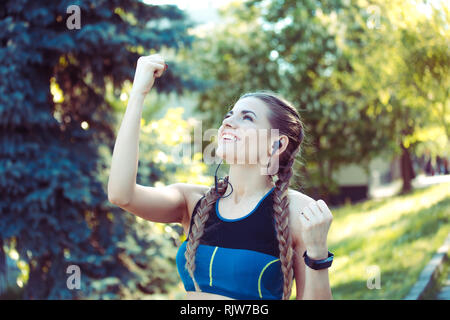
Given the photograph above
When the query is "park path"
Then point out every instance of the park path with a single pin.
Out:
(393, 188)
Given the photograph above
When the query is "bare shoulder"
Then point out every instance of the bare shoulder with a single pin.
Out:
(192, 193)
(190, 188)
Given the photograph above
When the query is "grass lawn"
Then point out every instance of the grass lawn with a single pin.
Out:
(392, 238)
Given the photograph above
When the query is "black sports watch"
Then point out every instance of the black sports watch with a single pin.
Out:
(318, 264)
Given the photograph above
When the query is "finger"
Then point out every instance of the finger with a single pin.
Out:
(303, 219)
(315, 208)
(158, 73)
(309, 214)
(323, 206)
(318, 214)
(303, 216)
(157, 65)
(158, 61)
(158, 69)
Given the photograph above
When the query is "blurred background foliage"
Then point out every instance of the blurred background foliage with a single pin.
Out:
(361, 73)
(368, 77)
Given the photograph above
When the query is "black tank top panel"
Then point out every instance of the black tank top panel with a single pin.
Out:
(254, 231)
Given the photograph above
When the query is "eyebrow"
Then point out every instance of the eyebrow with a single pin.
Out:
(242, 111)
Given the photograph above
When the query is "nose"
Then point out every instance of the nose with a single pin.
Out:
(229, 122)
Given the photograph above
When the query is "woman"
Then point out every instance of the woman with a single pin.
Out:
(261, 234)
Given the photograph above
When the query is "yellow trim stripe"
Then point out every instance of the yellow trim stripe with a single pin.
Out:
(210, 266)
(260, 275)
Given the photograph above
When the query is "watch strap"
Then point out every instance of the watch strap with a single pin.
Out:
(318, 264)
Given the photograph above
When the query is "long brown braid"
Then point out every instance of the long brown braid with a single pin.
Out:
(284, 117)
(206, 204)
(281, 212)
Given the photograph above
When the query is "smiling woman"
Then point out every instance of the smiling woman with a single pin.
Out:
(248, 245)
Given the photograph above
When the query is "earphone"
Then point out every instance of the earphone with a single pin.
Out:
(276, 146)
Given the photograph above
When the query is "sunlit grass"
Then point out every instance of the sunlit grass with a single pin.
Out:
(398, 236)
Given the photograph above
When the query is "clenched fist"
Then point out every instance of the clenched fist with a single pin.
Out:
(147, 70)
(315, 220)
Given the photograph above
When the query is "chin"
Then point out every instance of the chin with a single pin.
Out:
(232, 157)
(228, 156)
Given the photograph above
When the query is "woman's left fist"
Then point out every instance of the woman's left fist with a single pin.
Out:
(315, 220)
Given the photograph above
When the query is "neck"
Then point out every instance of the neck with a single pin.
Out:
(248, 182)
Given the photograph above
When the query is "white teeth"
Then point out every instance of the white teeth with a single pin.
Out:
(229, 136)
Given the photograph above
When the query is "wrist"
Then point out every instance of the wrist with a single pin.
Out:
(318, 264)
(317, 253)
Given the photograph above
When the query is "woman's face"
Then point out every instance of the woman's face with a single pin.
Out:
(245, 136)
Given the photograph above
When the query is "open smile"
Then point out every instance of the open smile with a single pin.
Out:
(227, 136)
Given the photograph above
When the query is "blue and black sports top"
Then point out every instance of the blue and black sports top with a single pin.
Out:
(237, 258)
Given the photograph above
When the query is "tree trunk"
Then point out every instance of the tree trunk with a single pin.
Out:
(407, 170)
(322, 185)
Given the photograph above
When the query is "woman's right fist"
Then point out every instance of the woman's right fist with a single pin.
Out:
(147, 70)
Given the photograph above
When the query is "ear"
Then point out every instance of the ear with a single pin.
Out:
(283, 143)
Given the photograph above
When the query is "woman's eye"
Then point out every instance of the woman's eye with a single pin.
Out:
(245, 117)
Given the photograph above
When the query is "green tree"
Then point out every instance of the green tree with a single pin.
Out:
(56, 132)
(413, 60)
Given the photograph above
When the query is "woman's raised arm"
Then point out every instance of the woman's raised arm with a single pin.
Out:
(162, 204)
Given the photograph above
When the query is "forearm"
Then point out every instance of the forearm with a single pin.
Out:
(317, 284)
(124, 163)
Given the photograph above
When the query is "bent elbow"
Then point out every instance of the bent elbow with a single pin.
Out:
(118, 201)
